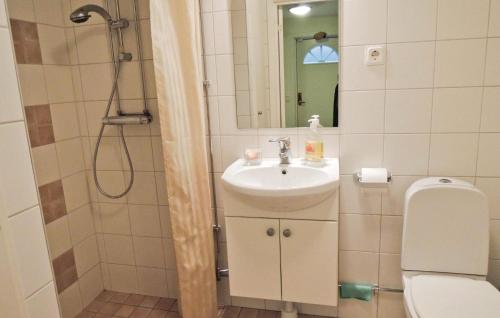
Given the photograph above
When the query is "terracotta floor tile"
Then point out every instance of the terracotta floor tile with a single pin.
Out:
(95, 306)
(175, 306)
(231, 312)
(141, 312)
(173, 314)
(158, 313)
(165, 303)
(248, 313)
(110, 309)
(85, 314)
(105, 296)
(150, 301)
(125, 311)
(119, 298)
(134, 300)
(268, 314)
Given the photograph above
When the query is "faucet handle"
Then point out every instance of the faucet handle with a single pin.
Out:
(284, 142)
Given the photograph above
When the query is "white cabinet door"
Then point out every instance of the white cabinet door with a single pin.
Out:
(253, 249)
(309, 261)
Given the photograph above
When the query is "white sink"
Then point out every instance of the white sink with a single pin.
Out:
(276, 187)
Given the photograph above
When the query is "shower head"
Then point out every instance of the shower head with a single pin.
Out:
(82, 14)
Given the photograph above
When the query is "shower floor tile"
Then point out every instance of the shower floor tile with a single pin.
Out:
(111, 304)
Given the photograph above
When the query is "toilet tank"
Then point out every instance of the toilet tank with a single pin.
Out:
(446, 227)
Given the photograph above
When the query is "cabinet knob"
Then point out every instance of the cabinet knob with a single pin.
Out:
(287, 233)
(270, 231)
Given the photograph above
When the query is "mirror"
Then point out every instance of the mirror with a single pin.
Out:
(286, 57)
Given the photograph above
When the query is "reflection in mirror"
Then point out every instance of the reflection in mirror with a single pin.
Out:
(286, 63)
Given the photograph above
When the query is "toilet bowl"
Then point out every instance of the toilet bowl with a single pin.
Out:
(445, 250)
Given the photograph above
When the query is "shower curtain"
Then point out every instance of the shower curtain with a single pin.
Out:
(176, 34)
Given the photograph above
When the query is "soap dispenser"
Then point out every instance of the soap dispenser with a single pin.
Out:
(314, 142)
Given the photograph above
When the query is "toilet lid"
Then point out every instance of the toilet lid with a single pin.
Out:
(457, 297)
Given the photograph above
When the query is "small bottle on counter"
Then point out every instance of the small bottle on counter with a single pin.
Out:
(314, 142)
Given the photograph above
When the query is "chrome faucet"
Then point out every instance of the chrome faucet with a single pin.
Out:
(285, 151)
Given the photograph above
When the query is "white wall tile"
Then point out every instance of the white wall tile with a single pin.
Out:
(30, 250)
(490, 187)
(410, 65)
(359, 232)
(3, 17)
(364, 22)
(81, 224)
(408, 111)
(222, 34)
(495, 239)
(90, 285)
(360, 151)
(17, 182)
(353, 308)
(71, 301)
(58, 236)
(460, 19)
(123, 278)
(119, 249)
(357, 75)
(453, 154)
(208, 33)
(456, 109)
(356, 199)
(86, 255)
(145, 220)
(410, 20)
(489, 155)
(406, 154)
(43, 304)
(152, 281)
(10, 101)
(32, 82)
(393, 199)
(225, 75)
(390, 305)
(490, 114)
(148, 252)
(390, 271)
(391, 234)
(362, 111)
(358, 267)
(494, 28)
(492, 75)
(220, 5)
(451, 71)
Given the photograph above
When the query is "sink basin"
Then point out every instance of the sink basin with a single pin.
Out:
(276, 187)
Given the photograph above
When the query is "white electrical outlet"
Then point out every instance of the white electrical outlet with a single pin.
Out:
(375, 55)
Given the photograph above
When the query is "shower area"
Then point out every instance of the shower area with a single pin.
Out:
(88, 89)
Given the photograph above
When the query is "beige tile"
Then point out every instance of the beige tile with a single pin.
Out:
(390, 305)
(358, 267)
(75, 191)
(390, 271)
(391, 234)
(161, 188)
(459, 19)
(165, 221)
(353, 308)
(115, 218)
(81, 224)
(453, 154)
(488, 156)
(360, 151)
(17, 184)
(364, 22)
(494, 272)
(58, 236)
(490, 187)
(450, 70)
(145, 220)
(109, 156)
(64, 121)
(363, 111)
(93, 46)
(30, 251)
(49, 12)
(170, 259)
(86, 255)
(129, 82)
(43, 303)
(360, 76)
(11, 100)
(411, 20)
(91, 285)
(53, 45)
(123, 278)
(158, 154)
(96, 81)
(119, 249)
(494, 28)
(410, 65)
(46, 164)
(490, 114)
(408, 111)
(225, 75)
(70, 156)
(356, 199)
(141, 153)
(359, 232)
(173, 284)
(59, 81)
(152, 281)
(112, 182)
(393, 199)
(492, 74)
(143, 191)
(406, 154)
(456, 109)
(21, 10)
(71, 301)
(495, 239)
(32, 83)
(149, 252)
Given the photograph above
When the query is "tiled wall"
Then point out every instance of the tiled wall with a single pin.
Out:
(432, 109)
(133, 233)
(23, 246)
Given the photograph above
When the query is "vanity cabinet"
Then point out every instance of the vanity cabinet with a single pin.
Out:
(283, 259)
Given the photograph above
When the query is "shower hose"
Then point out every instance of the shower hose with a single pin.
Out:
(122, 137)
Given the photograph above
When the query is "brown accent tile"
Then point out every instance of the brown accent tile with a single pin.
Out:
(110, 309)
(85, 314)
(140, 312)
(165, 303)
(175, 306)
(231, 312)
(26, 42)
(150, 301)
(40, 128)
(95, 306)
(135, 300)
(157, 313)
(65, 270)
(125, 311)
(173, 314)
(248, 313)
(102, 316)
(119, 298)
(52, 199)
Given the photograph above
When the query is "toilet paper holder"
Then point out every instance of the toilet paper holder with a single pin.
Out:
(359, 178)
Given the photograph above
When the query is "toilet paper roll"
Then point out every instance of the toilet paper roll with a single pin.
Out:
(374, 175)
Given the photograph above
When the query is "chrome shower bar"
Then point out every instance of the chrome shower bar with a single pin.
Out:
(128, 119)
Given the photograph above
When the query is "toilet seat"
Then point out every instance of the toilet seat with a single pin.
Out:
(434, 296)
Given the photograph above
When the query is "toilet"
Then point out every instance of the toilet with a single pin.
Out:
(444, 257)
